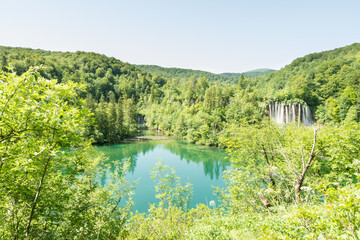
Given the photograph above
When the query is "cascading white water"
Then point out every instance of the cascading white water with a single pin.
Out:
(299, 114)
(293, 115)
(308, 121)
(284, 113)
(270, 112)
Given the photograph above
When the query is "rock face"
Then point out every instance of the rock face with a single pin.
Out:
(283, 113)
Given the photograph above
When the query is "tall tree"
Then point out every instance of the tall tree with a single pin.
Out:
(111, 119)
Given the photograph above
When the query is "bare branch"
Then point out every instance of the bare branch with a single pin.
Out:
(299, 183)
(269, 164)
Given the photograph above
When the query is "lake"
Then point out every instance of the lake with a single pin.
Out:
(201, 166)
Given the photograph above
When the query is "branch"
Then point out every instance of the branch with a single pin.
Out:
(36, 197)
(302, 176)
(115, 207)
(268, 162)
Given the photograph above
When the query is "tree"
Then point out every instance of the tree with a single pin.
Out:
(47, 185)
(4, 62)
(243, 82)
(102, 121)
(190, 94)
(130, 117)
(119, 126)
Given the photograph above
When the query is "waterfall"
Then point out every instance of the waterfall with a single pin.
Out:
(287, 113)
(309, 119)
(270, 113)
(293, 119)
(283, 113)
(299, 114)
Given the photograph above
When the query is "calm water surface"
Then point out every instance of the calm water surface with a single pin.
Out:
(199, 165)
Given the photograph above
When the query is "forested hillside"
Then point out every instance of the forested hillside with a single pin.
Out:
(181, 73)
(201, 112)
(196, 105)
(112, 87)
(328, 81)
(101, 74)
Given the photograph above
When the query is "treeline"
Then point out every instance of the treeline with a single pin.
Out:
(114, 120)
(101, 74)
(249, 74)
(195, 109)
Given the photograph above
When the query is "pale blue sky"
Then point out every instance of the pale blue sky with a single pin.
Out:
(216, 36)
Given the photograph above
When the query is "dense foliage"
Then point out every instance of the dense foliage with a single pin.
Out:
(201, 111)
(102, 75)
(47, 168)
(107, 81)
(191, 104)
(286, 182)
(263, 199)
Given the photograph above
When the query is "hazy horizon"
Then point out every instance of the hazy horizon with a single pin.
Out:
(213, 36)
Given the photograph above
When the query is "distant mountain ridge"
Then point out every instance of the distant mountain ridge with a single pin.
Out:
(249, 74)
(186, 73)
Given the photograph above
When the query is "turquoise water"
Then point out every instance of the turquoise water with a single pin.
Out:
(199, 165)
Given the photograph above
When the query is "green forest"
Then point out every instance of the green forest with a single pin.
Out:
(287, 181)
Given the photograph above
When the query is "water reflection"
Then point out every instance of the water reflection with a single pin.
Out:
(213, 160)
(200, 165)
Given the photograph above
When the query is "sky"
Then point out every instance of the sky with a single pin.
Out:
(211, 35)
